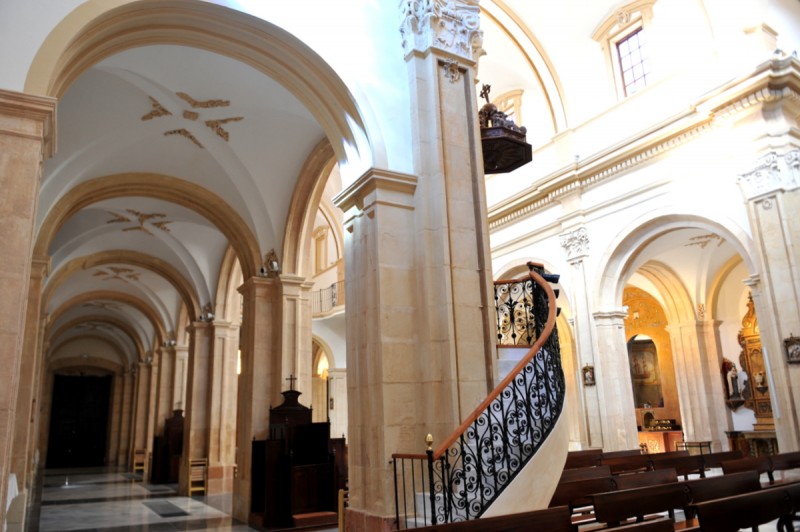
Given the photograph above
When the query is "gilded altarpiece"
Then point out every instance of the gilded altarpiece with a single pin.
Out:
(651, 367)
(751, 359)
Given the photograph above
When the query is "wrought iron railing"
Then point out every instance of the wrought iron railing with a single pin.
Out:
(463, 476)
(327, 299)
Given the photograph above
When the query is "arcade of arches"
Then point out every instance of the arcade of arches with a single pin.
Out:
(203, 199)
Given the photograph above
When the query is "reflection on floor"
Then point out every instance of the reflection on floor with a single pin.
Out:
(106, 500)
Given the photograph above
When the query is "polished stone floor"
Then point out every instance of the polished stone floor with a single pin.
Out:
(104, 500)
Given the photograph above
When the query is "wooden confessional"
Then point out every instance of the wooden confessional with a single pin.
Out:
(298, 471)
(167, 451)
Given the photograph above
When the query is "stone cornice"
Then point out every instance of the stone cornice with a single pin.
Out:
(772, 81)
(38, 108)
(375, 180)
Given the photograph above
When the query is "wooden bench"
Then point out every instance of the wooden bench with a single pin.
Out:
(583, 458)
(645, 478)
(750, 463)
(198, 475)
(714, 460)
(576, 496)
(622, 464)
(655, 525)
(683, 465)
(750, 509)
(139, 460)
(583, 473)
(707, 489)
(617, 507)
(784, 462)
(552, 519)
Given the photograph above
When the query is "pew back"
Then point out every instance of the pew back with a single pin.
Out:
(552, 519)
(616, 507)
(645, 478)
(583, 473)
(746, 510)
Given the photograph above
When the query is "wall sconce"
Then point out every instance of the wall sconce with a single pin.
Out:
(271, 267)
(208, 313)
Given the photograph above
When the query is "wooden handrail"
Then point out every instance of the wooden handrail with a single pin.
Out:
(543, 337)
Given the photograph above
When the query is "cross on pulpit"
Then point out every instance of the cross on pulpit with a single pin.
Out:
(291, 380)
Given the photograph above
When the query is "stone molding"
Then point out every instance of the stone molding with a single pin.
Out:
(378, 186)
(575, 243)
(449, 25)
(40, 109)
(771, 83)
(774, 173)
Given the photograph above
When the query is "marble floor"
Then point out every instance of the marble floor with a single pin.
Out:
(105, 500)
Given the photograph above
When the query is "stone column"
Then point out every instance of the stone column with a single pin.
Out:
(576, 245)
(259, 381)
(222, 408)
(337, 402)
(772, 191)
(126, 422)
(26, 422)
(296, 332)
(141, 410)
(699, 385)
(181, 376)
(165, 403)
(198, 390)
(26, 129)
(116, 420)
(387, 383)
(614, 388)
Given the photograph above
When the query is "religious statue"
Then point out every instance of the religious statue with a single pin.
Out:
(733, 383)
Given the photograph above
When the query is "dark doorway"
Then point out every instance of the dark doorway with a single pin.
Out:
(78, 421)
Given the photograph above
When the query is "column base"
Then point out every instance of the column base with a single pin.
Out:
(361, 521)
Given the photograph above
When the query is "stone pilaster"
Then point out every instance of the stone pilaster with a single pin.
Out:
(26, 422)
(198, 388)
(139, 429)
(165, 357)
(614, 388)
(337, 402)
(26, 126)
(115, 419)
(222, 408)
(181, 376)
(576, 246)
(772, 192)
(386, 379)
(260, 379)
(126, 423)
(697, 378)
(296, 331)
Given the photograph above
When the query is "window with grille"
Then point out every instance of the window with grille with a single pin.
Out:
(633, 63)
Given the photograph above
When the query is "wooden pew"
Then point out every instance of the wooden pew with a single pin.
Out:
(583, 473)
(749, 509)
(630, 463)
(618, 454)
(583, 458)
(707, 489)
(714, 460)
(784, 462)
(617, 507)
(576, 496)
(683, 465)
(750, 463)
(656, 525)
(552, 519)
(645, 478)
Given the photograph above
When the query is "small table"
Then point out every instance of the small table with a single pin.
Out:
(694, 447)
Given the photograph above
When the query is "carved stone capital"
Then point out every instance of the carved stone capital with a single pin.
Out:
(449, 25)
(774, 173)
(575, 243)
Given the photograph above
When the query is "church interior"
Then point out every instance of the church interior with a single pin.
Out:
(267, 251)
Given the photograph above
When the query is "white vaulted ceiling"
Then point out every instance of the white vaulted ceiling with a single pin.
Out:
(162, 114)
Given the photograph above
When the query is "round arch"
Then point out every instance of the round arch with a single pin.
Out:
(161, 187)
(110, 320)
(96, 30)
(677, 302)
(120, 297)
(55, 365)
(624, 249)
(133, 258)
(228, 296)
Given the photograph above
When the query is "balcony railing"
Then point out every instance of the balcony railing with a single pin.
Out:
(462, 477)
(325, 300)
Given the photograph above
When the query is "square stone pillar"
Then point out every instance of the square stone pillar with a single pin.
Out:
(198, 391)
(26, 126)
(614, 388)
(259, 381)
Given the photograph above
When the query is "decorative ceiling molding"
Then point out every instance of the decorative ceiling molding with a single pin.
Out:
(214, 125)
(117, 273)
(449, 25)
(704, 240)
(141, 220)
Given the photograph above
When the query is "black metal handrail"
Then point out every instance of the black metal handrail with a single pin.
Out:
(460, 479)
(328, 298)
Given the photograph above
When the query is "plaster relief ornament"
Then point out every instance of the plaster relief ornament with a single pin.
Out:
(774, 173)
(450, 25)
(575, 243)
